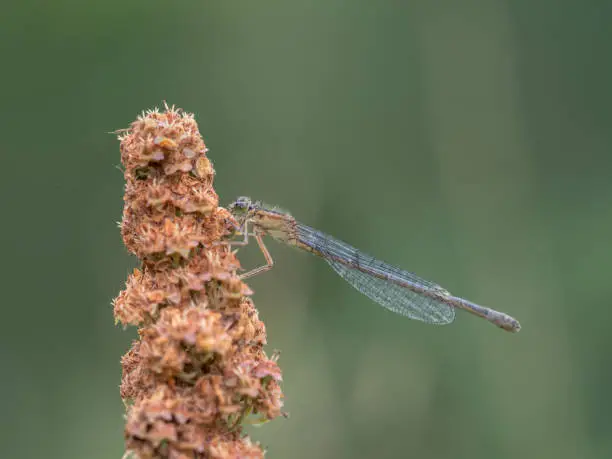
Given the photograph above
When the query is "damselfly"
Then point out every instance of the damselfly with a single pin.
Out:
(395, 289)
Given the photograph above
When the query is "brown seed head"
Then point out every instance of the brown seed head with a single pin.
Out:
(199, 367)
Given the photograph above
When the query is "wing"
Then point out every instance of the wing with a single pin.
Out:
(393, 288)
(396, 298)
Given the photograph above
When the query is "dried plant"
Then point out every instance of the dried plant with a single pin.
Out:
(199, 368)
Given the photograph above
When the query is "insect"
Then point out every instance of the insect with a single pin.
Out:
(393, 288)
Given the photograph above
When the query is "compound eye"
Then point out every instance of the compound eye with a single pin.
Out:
(242, 204)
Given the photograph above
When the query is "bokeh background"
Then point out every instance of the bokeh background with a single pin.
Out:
(469, 142)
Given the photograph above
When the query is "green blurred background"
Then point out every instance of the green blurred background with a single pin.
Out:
(467, 141)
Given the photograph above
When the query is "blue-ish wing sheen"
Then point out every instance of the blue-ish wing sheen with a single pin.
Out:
(393, 288)
(396, 298)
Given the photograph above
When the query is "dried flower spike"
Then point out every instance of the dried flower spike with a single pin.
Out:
(199, 367)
